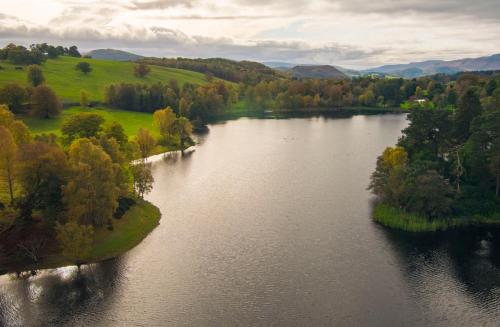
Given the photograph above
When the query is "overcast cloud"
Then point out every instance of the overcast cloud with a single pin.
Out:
(351, 33)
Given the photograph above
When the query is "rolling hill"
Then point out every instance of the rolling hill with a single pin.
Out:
(113, 54)
(286, 67)
(430, 67)
(60, 74)
(320, 72)
(279, 65)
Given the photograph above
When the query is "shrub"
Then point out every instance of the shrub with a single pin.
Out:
(84, 67)
(123, 205)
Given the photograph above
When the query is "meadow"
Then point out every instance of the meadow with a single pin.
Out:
(130, 120)
(67, 82)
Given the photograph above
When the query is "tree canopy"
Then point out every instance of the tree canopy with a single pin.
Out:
(35, 75)
(45, 103)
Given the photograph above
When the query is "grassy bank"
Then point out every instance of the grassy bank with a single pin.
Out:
(61, 75)
(400, 219)
(127, 233)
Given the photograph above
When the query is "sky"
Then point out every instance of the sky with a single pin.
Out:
(350, 33)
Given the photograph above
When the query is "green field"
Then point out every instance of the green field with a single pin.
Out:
(130, 120)
(61, 75)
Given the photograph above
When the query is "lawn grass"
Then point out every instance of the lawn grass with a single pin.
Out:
(61, 75)
(130, 120)
(400, 219)
(127, 232)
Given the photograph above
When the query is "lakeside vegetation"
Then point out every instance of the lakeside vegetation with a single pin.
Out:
(128, 232)
(411, 222)
(75, 197)
(444, 171)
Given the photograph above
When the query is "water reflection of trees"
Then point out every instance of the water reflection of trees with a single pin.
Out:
(469, 257)
(176, 156)
(58, 297)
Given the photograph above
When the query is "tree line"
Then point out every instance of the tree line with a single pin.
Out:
(438, 91)
(36, 54)
(198, 103)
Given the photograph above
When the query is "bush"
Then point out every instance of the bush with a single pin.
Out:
(13, 95)
(141, 70)
(35, 75)
(84, 67)
(123, 205)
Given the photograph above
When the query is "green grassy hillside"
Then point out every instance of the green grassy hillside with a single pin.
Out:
(130, 120)
(67, 82)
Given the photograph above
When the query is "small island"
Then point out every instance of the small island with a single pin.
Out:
(445, 170)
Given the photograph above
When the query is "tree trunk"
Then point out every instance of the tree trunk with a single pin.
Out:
(11, 191)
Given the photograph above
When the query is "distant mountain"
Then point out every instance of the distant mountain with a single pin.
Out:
(319, 71)
(113, 54)
(279, 65)
(288, 67)
(430, 67)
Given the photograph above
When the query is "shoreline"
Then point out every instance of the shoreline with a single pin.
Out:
(395, 218)
(305, 112)
(54, 261)
(128, 232)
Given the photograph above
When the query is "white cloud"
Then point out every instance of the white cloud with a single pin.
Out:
(353, 33)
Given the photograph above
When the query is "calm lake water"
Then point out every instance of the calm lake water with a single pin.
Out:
(267, 223)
